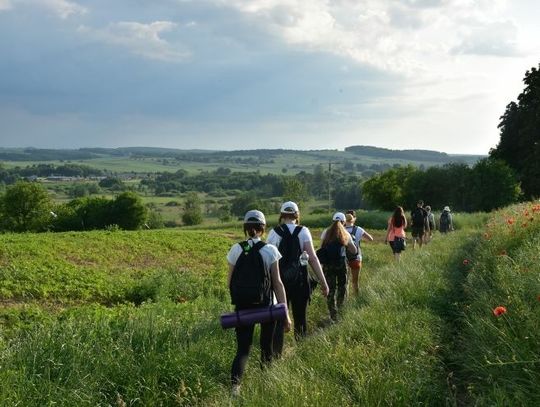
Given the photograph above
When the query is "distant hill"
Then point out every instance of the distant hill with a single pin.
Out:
(413, 155)
(358, 159)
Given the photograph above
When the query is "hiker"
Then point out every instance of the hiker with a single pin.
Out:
(419, 223)
(431, 224)
(445, 221)
(244, 259)
(292, 241)
(336, 242)
(355, 261)
(395, 233)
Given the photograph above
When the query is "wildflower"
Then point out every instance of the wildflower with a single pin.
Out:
(524, 224)
(538, 298)
(531, 219)
(510, 221)
(503, 253)
(498, 311)
(466, 262)
(487, 236)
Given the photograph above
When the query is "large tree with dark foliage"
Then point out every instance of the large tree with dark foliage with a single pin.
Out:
(519, 144)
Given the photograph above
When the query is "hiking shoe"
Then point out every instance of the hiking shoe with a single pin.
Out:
(235, 391)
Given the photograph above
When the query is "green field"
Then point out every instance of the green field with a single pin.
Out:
(292, 162)
(131, 318)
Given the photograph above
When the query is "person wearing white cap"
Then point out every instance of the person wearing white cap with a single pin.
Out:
(254, 228)
(336, 242)
(445, 221)
(292, 241)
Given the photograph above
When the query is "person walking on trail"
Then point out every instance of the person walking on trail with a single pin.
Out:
(246, 258)
(431, 224)
(419, 223)
(295, 241)
(336, 242)
(395, 233)
(445, 221)
(355, 261)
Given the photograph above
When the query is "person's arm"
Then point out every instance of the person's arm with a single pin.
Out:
(316, 266)
(388, 229)
(368, 236)
(279, 290)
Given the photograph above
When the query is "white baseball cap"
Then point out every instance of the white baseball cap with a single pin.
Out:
(339, 216)
(446, 208)
(254, 216)
(289, 207)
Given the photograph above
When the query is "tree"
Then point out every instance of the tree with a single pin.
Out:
(386, 190)
(128, 211)
(494, 185)
(294, 190)
(519, 144)
(26, 206)
(192, 210)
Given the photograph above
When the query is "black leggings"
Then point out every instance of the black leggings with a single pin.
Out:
(299, 305)
(244, 338)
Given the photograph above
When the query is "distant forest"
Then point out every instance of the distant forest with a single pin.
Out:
(259, 156)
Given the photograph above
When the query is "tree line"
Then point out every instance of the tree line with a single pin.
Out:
(27, 207)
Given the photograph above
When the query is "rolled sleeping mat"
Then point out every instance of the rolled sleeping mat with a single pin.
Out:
(276, 312)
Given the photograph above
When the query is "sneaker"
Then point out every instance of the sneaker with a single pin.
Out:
(235, 391)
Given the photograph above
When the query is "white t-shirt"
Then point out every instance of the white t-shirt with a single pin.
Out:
(270, 254)
(358, 235)
(303, 237)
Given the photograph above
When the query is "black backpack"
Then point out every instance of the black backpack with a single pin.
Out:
(250, 282)
(444, 221)
(292, 273)
(331, 254)
(417, 217)
(353, 236)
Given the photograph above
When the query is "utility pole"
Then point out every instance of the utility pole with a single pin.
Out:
(330, 183)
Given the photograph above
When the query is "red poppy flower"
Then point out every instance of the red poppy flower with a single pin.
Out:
(466, 262)
(498, 311)
(510, 221)
(503, 253)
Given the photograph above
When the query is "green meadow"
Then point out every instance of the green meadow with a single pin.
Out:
(114, 318)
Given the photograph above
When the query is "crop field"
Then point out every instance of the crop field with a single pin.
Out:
(131, 319)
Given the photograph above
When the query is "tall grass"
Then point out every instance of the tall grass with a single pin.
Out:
(500, 356)
(421, 332)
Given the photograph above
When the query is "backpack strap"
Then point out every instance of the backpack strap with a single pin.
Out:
(353, 231)
(296, 231)
(281, 230)
(246, 247)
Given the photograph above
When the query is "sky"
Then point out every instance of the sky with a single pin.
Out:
(246, 74)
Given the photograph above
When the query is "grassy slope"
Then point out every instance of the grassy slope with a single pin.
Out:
(411, 338)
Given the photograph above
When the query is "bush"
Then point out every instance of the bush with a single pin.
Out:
(192, 217)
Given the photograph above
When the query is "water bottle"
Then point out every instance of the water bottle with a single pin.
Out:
(304, 258)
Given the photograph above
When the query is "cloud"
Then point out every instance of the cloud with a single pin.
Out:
(62, 8)
(140, 39)
(5, 5)
(497, 39)
(387, 34)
